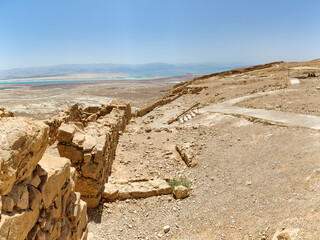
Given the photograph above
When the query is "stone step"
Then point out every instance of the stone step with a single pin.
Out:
(132, 190)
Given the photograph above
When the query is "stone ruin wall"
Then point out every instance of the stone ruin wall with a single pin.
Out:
(44, 196)
(38, 198)
(91, 145)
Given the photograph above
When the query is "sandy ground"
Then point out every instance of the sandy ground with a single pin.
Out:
(303, 98)
(252, 178)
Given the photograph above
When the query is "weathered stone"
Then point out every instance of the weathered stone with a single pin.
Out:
(22, 144)
(35, 181)
(70, 152)
(75, 210)
(58, 171)
(180, 192)
(87, 157)
(88, 187)
(78, 139)
(17, 226)
(7, 204)
(186, 154)
(286, 234)
(55, 230)
(110, 192)
(92, 202)
(65, 132)
(65, 230)
(161, 186)
(166, 229)
(82, 222)
(42, 235)
(20, 195)
(34, 198)
(143, 189)
(140, 190)
(91, 170)
(89, 143)
(33, 233)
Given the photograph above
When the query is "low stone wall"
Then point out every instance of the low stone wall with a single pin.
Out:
(41, 196)
(75, 113)
(91, 146)
(38, 198)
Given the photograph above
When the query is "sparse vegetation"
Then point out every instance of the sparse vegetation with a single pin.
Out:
(183, 181)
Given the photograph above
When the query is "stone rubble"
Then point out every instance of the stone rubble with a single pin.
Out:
(141, 189)
(187, 154)
(180, 192)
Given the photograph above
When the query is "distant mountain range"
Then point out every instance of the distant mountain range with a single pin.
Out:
(133, 70)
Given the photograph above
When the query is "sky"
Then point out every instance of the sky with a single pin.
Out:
(242, 32)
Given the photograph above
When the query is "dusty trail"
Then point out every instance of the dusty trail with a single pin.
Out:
(287, 118)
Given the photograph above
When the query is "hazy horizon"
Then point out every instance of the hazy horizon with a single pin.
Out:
(41, 33)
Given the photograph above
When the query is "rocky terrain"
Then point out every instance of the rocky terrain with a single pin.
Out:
(197, 163)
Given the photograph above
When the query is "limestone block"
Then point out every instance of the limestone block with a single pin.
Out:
(87, 157)
(7, 204)
(35, 198)
(140, 190)
(180, 192)
(161, 186)
(33, 233)
(65, 230)
(65, 132)
(20, 196)
(110, 192)
(83, 218)
(88, 187)
(55, 230)
(91, 170)
(92, 202)
(46, 223)
(22, 144)
(89, 143)
(78, 139)
(42, 235)
(70, 152)
(17, 226)
(58, 171)
(35, 181)
(187, 154)
(75, 210)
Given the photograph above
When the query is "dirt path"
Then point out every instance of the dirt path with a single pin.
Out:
(288, 118)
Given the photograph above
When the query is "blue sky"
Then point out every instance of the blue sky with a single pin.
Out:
(44, 32)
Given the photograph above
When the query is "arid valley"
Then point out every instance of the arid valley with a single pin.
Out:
(245, 141)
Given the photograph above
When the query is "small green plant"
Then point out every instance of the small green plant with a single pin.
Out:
(183, 181)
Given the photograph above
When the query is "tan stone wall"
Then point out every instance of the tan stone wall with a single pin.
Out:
(38, 198)
(91, 146)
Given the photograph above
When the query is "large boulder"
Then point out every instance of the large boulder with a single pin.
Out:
(22, 144)
(58, 172)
